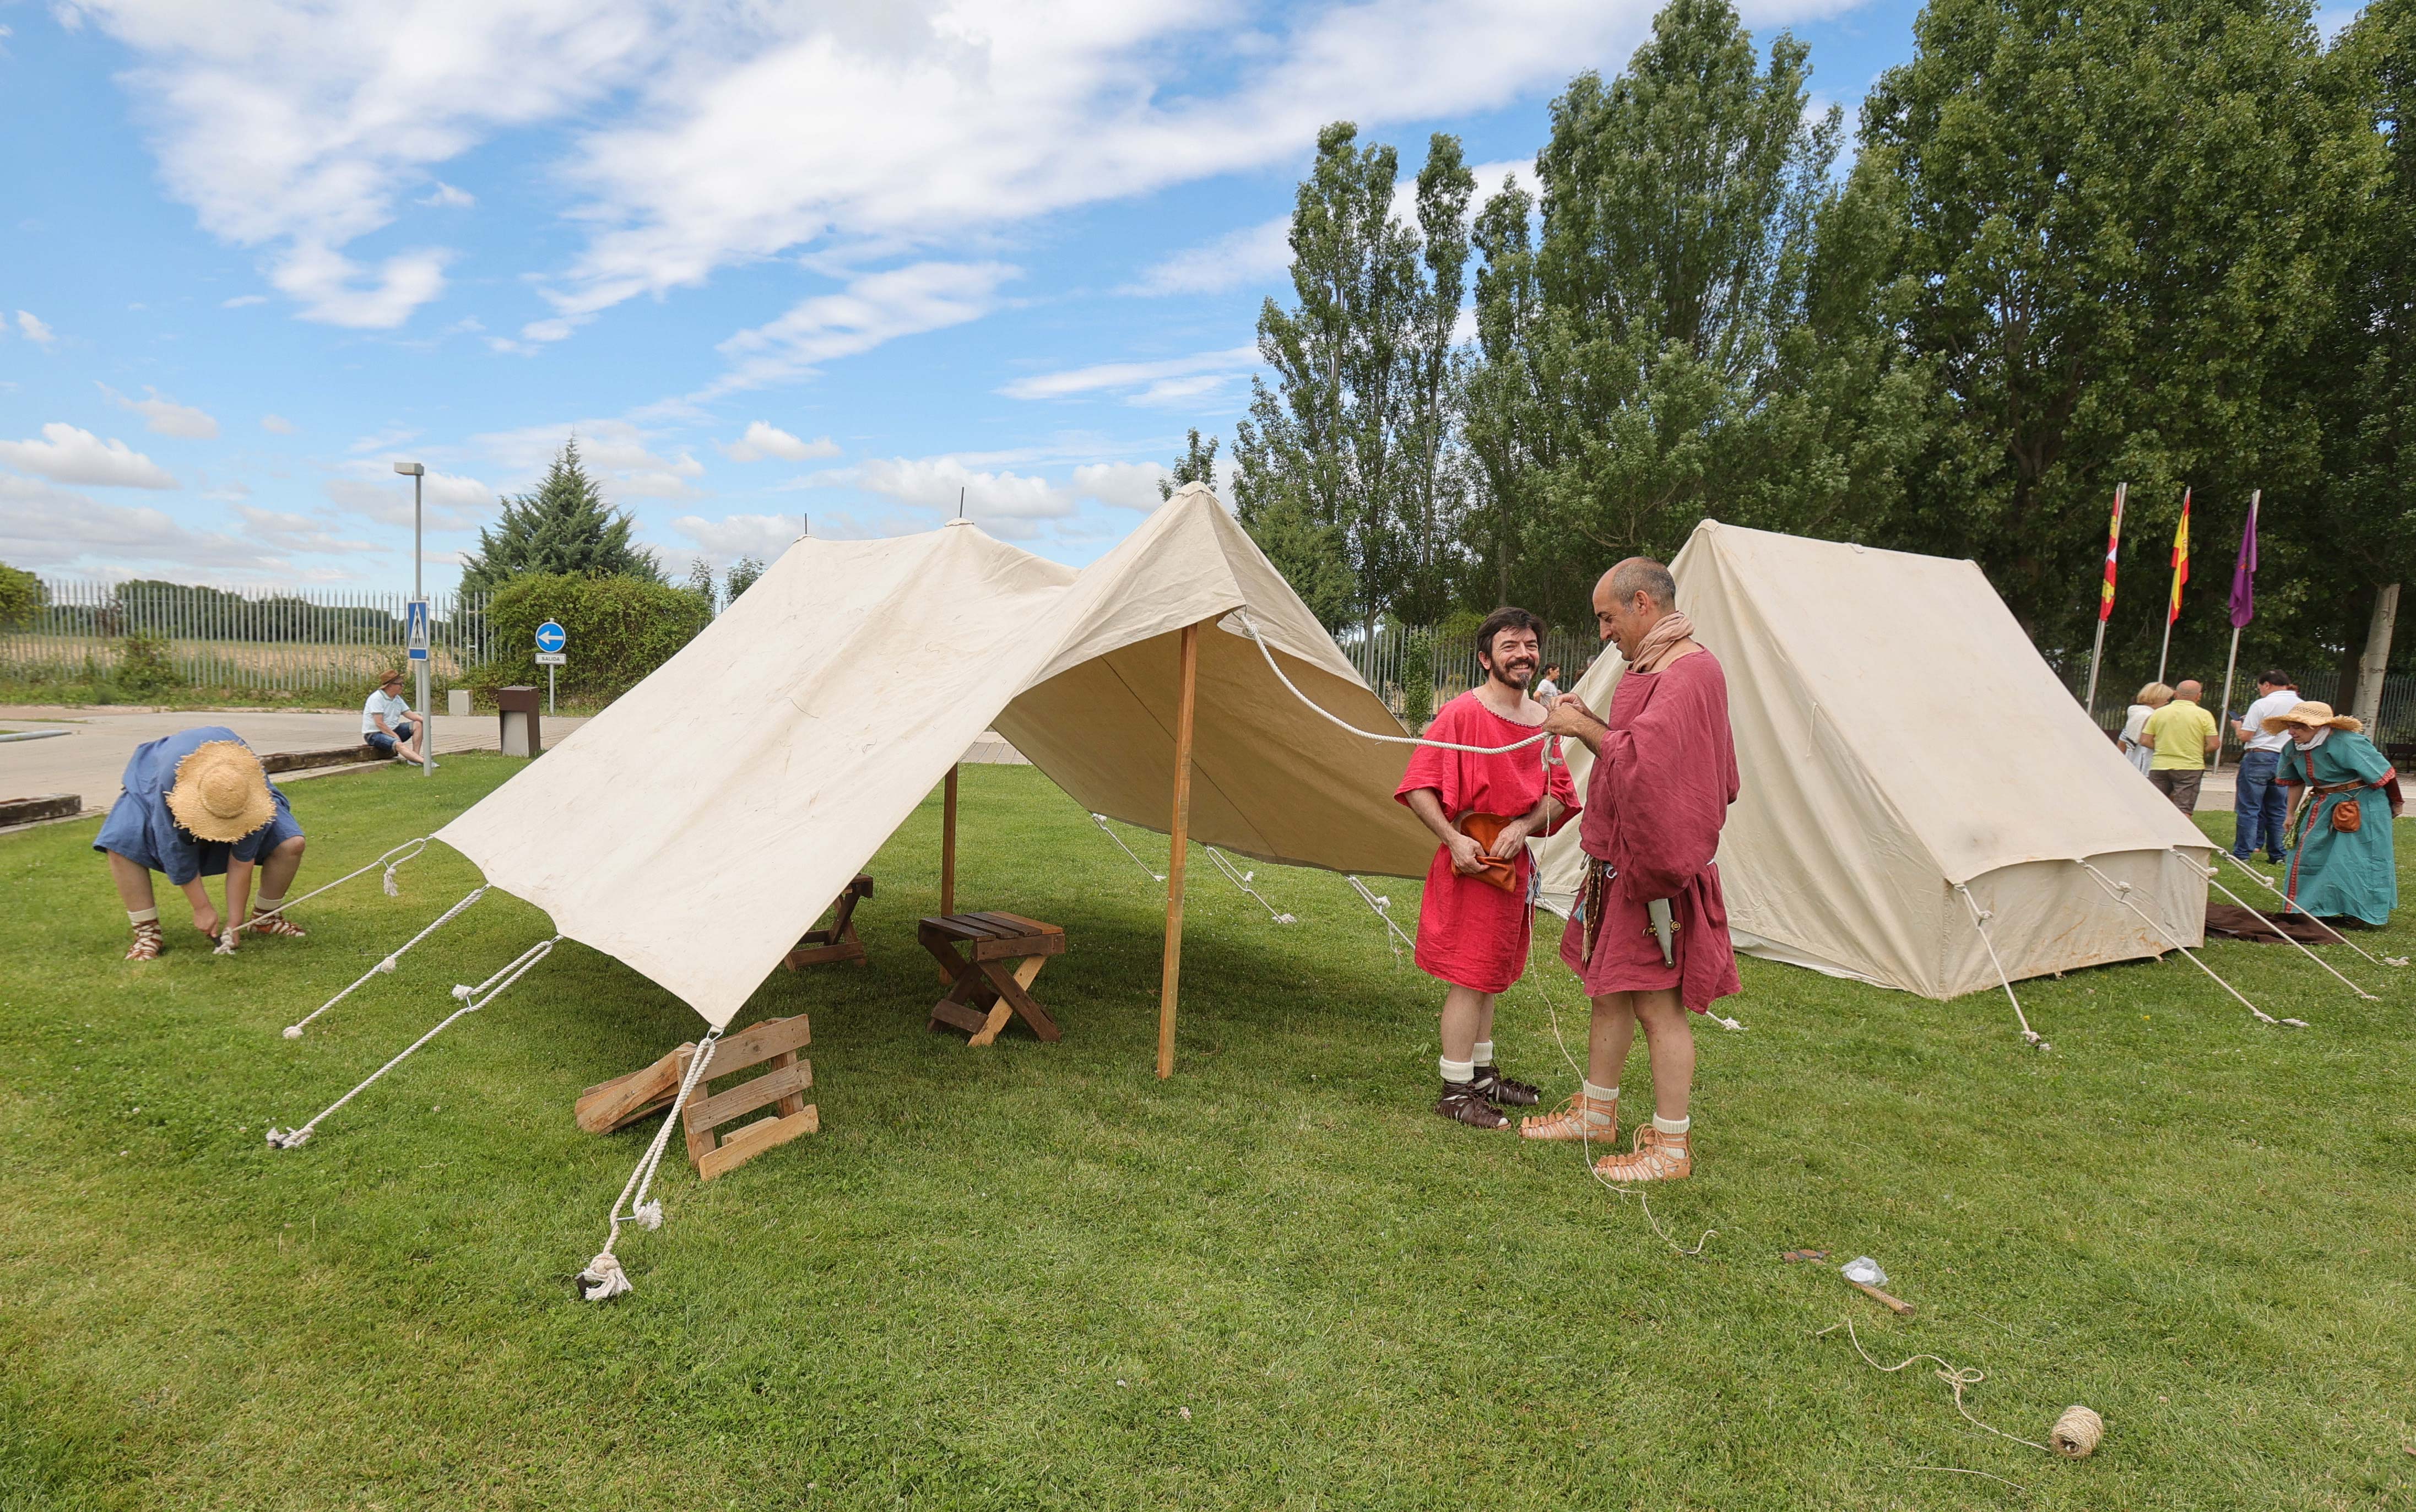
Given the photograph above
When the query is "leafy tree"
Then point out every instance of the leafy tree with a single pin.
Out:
(565, 526)
(2122, 238)
(699, 581)
(741, 577)
(1697, 326)
(1335, 470)
(22, 597)
(1198, 465)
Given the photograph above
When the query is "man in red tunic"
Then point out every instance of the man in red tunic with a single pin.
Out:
(1473, 921)
(1664, 776)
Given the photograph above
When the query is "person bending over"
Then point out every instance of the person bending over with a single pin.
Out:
(1663, 774)
(197, 804)
(1474, 919)
(386, 725)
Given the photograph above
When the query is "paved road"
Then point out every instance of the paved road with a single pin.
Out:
(88, 759)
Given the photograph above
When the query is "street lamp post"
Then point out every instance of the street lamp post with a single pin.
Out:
(416, 472)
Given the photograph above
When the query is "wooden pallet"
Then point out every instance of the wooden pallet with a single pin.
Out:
(773, 1044)
(625, 1100)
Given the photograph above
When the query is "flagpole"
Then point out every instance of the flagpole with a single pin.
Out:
(2223, 731)
(2106, 600)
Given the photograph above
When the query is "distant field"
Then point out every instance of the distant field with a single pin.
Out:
(266, 665)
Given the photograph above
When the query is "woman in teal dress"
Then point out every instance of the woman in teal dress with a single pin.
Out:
(2341, 860)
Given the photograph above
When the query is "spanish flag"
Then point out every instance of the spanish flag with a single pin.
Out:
(2113, 543)
(2181, 560)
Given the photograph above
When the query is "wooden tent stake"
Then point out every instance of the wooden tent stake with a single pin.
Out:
(948, 851)
(1191, 682)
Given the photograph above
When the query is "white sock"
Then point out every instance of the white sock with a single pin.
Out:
(1459, 1070)
(266, 904)
(1596, 1093)
(1673, 1126)
(143, 916)
(1483, 1053)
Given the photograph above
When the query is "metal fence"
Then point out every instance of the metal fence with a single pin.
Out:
(2394, 724)
(1455, 669)
(238, 640)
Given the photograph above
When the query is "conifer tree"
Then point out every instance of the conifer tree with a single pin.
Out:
(565, 527)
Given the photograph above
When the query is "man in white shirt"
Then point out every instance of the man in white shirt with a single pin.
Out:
(384, 725)
(2261, 809)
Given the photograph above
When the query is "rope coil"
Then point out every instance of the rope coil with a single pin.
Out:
(604, 1279)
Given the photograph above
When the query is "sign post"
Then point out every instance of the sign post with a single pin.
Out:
(551, 638)
(414, 626)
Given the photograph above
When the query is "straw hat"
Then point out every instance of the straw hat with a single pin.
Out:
(2309, 715)
(220, 792)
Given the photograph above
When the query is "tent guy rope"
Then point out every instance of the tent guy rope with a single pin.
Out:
(1101, 819)
(293, 1030)
(1980, 918)
(2213, 873)
(1382, 908)
(604, 1279)
(1241, 879)
(2267, 883)
(414, 847)
(1243, 616)
(494, 987)
(2120, 893)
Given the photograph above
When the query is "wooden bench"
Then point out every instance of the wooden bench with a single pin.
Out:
(989, 981)
(836, 941)
(775, 1043)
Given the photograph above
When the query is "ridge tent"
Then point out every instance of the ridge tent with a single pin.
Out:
(705, 820)
(1899, 735)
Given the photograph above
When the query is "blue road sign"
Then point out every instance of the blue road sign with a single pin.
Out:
(550, 638)
(414, 627)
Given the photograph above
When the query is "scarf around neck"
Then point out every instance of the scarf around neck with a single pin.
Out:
(1666, 635)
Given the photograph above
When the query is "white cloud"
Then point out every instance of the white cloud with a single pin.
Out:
(1254, 254)
(305, 534)
(1124, 485)
(36, 329)
(763, 536)
(764, 440)
(41, 526)
(393, 435)
(447, 197)
(278, 424)
(620, 456)
(1171, 380)
(164, 416)
(1005, 502)
(872, 309)
(242, 300)
(67, 455)
(372, 488)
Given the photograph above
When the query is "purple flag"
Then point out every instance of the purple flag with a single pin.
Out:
(2244, 574)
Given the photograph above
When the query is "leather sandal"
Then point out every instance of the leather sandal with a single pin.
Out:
(1462, 1101)
(1656, 1157)
(276, 924)
(149, 940)
(1580, 1118)
(1501, 1092)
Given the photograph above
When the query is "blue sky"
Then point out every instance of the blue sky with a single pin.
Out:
(768, 261)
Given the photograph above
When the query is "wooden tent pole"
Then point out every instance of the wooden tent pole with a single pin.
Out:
(1180, 830)
(948, 851)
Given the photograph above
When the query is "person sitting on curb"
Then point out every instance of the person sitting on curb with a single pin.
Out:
(385, 725)
(198, 804)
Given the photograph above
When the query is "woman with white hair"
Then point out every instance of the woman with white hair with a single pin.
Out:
(2136, 744)
(2342, 862)
(198, 804)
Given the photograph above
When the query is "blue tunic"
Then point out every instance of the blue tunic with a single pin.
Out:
(140, 828)
(2336, 874)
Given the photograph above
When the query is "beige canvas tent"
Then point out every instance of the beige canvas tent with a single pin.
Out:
(701, 821)
(1899, 735)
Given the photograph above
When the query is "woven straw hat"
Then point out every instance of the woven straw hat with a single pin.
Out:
(220, 792)
(2310, 714)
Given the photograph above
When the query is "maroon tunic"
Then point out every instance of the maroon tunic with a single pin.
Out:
(1471, 933)
(1659, 793)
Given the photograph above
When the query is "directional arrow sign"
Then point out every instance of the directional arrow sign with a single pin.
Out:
(550, 637)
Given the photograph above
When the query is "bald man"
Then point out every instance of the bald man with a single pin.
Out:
(2184, 736)
(1664, 773)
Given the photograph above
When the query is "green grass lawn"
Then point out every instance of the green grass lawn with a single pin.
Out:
(1036, 1276)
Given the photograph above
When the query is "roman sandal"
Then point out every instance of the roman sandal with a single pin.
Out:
(1580, 1118)
(1462, 1101)
(275, 924)
(149, 940)
(1656, 1157)
(1501, 1092)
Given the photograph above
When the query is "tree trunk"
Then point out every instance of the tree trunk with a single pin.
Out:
(2356, 605)
(2370, 667)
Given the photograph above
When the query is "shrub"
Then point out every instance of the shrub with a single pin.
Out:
(143, 666)
(21, 596)
(620, 629)
(1417, 681)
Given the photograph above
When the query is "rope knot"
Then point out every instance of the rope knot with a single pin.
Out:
(649, 1215)
(463, 992)
(392, 889)
(292, 1031)
(386, 965)
(603, 1280)
(287, 1139)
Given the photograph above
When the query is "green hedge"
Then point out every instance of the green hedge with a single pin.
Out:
(619, 628)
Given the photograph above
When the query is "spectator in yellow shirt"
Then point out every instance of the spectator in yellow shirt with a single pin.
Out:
(2184, 736)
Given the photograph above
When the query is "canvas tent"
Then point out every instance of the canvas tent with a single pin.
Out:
(707, 817)
(1898, 736)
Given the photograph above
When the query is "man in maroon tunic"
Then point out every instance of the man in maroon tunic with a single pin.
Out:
(1664, 776)
(1474, 919)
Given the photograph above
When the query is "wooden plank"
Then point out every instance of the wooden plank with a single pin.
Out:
(948, 926)
(1021, 946)
(757, 1045)
(987, 1033)
(610, 1104)
(1010, 991)
(1029, 925)
(755, 1138)
(1170, 974)
(958, 1015)
(747, 1096)
(823, 955)
(983, 926)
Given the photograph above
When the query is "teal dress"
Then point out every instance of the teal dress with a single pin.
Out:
(2334, 873)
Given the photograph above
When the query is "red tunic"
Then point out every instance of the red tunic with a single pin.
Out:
(1659, 793)
(1471, 933)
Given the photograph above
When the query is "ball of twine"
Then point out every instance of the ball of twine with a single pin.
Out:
(2076, 1432)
